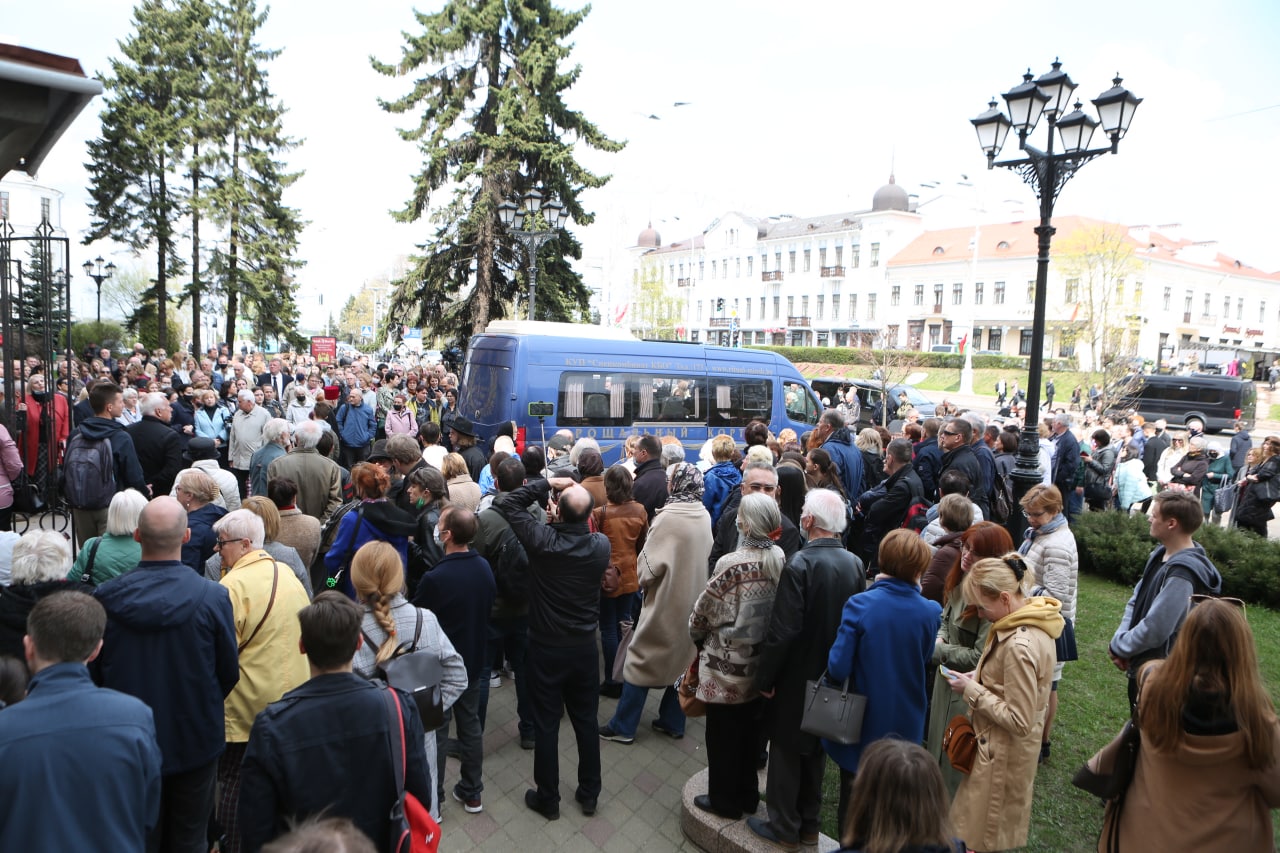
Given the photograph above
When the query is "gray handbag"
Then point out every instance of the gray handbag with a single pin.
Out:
(833, 713)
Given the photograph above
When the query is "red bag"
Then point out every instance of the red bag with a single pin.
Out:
(413, 829)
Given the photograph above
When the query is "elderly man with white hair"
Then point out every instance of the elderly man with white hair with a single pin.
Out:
(161, 459)
(812, 591)
(265, 600)
(319, 479)
(246, 437)
(41, 560)
(276, 438)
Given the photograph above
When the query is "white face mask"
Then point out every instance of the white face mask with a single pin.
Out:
(435, 534)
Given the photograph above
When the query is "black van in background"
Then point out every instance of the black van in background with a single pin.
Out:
(1201, 400)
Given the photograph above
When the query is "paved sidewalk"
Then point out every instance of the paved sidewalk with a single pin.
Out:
(639, 807)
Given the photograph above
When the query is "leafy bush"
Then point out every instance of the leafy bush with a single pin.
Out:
(938, 360)
(1115, 545)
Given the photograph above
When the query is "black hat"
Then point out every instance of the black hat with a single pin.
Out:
(463, 426)
(379, 452)
(200, 448)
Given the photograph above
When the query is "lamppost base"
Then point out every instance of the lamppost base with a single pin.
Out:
(966, 378)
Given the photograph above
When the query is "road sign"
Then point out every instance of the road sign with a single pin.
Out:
(366, 331)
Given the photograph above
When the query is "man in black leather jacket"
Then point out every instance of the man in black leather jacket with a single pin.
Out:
(807, 608)
(902, 489)
(566, 562)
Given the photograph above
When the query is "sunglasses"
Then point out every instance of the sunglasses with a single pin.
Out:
(1201, 598)
(949, 432)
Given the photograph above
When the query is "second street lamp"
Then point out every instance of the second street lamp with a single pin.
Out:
(1046, 173)
(99, 274)
(532, 239)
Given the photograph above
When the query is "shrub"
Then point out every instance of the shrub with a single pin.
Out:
(936, 360)
(1115, 545)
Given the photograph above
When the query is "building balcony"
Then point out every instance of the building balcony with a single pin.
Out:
(684, 282)
(719, 322)
(801, 321)
(771, 275)
(833, 272)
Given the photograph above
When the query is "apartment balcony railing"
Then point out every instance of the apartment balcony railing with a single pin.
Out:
(833, 272)
(771, 275)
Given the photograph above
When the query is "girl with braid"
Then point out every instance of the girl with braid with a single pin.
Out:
(390, 621)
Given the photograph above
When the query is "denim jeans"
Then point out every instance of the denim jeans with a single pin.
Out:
(626, 717)
(509, 636)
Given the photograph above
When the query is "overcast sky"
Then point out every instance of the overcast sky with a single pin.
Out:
(799, 108)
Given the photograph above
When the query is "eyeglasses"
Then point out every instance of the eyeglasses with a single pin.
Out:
(949, 432)
(218, 543)
(1030, 514)
(1201, 598)
(761, 487)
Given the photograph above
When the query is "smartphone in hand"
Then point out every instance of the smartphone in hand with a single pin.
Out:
(948, 674)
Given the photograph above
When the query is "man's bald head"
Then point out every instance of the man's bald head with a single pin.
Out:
(575, 504)
(162, 529)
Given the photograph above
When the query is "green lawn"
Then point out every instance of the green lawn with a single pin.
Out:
(1274, 412)
(1091, 710)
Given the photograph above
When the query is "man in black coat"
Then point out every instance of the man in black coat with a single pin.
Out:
(757, 477)
(1066, 462)
(928, 458)
(807, 608)
(566, 562)
(954, 439)
(1156, 444)
(161, 459)
(650, 486)
(902, 489)
(983, 489)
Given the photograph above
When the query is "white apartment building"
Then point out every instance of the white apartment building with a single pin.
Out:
(883, 278)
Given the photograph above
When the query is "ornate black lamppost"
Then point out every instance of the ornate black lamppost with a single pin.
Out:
(99, 274)
(515, 219)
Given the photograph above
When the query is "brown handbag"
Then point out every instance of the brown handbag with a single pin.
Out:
(611, 580)
(687, 692)
(960, 743)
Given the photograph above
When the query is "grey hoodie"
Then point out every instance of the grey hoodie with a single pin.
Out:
(1161, 601)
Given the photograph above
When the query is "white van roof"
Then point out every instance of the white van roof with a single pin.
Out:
(566, 330)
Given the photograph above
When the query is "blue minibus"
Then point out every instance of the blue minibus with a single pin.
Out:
(606, 384)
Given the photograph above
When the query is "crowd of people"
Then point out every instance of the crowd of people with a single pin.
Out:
(255, 556)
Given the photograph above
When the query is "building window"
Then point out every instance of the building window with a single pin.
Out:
(1024, 343)
(835, 306)
(1240, 309)
(822, 256)
(999, 293)
(777, 307)
(818, 312)
(1226, 308)
(824, 339)
(975, 341)
(995, 339)
(840, 256)
(791, 261)
(857, 255)
(853, 306)
(762, 308)
(791, 307)
(937, 297)
(1262, 312)
(935, 335)
(875, 254)
(1066, 346)
(957, 294)
(693, 336)
(1120, 292)
(1073, 290)
(777, 261)
(807, 254)
(1207, 299)
(1137, 293)
(891, 337)
(4, 205)
(682, 269)
(45, 205)
(895, 295)
(748, 307)
(1186, 308)
(1031, 292)
(724, 268)
(919, 294)
(702, 270)
(750, 265)
(699, 315)
(1168, 297)
(871, 306)
(713, 269)
(737, 268)
(804, 306)
(977, 293)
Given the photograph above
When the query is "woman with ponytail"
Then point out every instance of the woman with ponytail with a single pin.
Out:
(1008, 699)
(390, 622)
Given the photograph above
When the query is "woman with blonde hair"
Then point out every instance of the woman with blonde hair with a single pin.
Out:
(462, 490)
(196, 491)
(1208, 771)
(871, 445)
(1008, 697)
(391, 624)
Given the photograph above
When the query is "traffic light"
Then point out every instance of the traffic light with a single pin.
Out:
(719, 304)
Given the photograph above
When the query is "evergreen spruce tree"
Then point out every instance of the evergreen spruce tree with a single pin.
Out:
(134, 197)
(493, 125)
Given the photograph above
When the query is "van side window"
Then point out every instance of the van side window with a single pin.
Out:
(593, 399)
(668, 399)
(736, 402)
(800, 404)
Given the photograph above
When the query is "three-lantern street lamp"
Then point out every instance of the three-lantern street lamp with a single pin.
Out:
(99, 274)
(1046, 172)
(535, 211)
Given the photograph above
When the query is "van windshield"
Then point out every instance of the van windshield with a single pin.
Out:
(486, 392)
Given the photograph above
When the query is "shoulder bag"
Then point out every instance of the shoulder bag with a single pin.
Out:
(960, 743)
(418, 674)
(1224, 500)
(612, 577)
(26, 496)
(413, 830)
(687, 691)
(87, 577)
(832, 713)
(275, 581)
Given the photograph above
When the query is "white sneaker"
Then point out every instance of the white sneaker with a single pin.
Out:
(495, 681)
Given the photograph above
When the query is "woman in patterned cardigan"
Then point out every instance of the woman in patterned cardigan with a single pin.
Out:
(728, 623)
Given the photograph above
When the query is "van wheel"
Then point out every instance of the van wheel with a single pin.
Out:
(1195, 423)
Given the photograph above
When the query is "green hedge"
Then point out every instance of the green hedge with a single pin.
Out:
(1115, 545)
(939, 360)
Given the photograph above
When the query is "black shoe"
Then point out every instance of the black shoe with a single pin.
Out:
(607, 733)
(611, 690)
(703, 801)
(551, 811)
(588, 804)
(527, 742)
(663, 730)
(764, 829)
(1044, 753)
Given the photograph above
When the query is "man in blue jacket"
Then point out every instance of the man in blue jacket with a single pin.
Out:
(171, 642)
(838, 442)
(357, 424)
(79, 765)
(325, 747)
(460, 590)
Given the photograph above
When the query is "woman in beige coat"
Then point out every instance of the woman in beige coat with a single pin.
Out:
(672, 573)
(1007, 695)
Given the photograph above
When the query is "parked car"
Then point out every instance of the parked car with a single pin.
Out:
(869, 391)
(1197, 400)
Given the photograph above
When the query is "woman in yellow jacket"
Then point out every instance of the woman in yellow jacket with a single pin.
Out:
(1008, 695)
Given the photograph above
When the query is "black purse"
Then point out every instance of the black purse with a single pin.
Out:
(1065, 645)
(833, 713)
(26, 497)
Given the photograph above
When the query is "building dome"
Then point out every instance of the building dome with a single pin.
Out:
(649, 239)
(890, 197)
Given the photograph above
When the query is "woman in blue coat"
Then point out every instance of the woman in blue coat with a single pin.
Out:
(885, 643)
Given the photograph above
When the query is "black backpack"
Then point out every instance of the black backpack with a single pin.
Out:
(510, 565)
(89, 472)
(1002, 506)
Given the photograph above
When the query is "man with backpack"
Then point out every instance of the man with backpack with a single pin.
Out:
(1176, 569)
(902, 490)
(100, 461)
